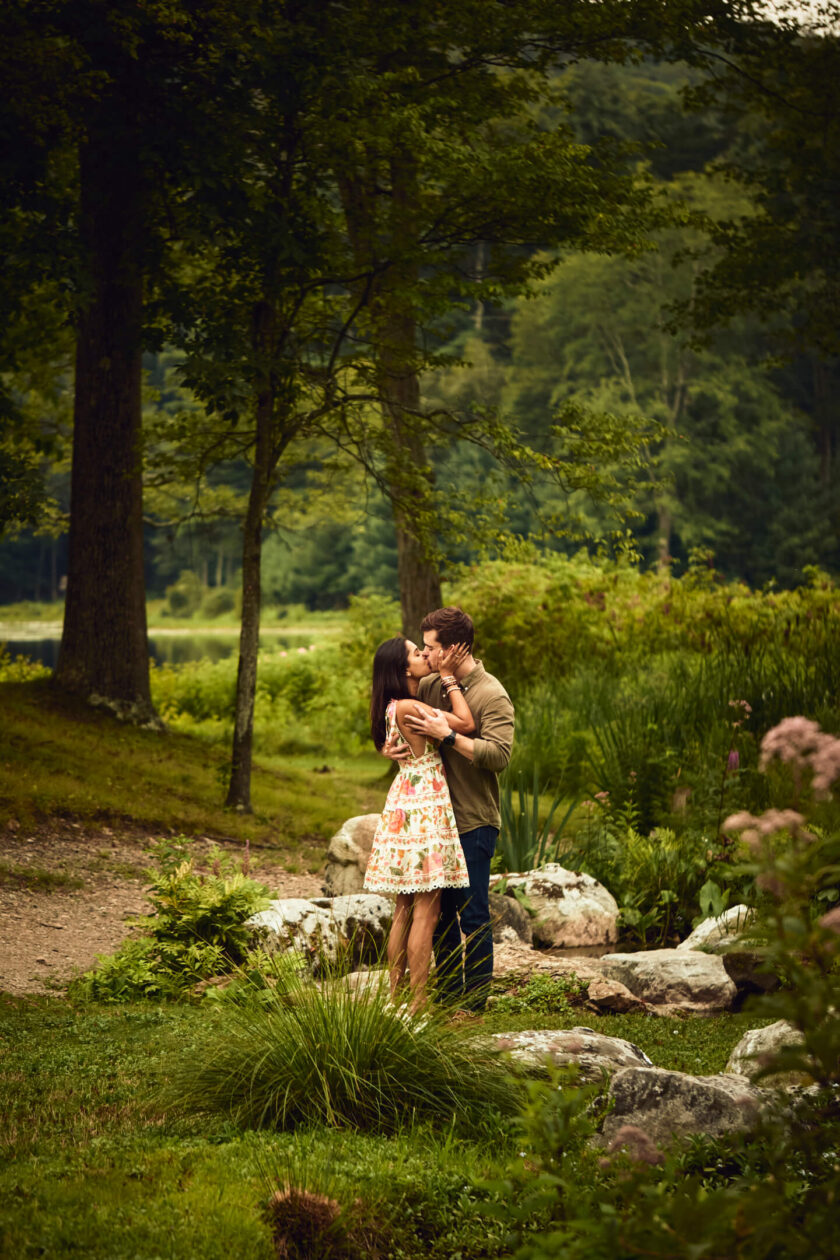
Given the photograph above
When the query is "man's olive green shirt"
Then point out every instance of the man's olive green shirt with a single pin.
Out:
(474, 785)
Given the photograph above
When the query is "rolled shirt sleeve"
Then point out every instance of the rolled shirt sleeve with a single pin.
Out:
(492, 749)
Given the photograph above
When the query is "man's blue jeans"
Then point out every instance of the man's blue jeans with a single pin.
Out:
(464, 972)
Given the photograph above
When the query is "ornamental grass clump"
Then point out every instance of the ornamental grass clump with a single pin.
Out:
(324, 1054)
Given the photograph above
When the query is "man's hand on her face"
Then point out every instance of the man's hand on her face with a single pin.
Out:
(433, 725)
(395, 749)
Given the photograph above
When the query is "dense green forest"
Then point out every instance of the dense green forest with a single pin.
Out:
(741, 461)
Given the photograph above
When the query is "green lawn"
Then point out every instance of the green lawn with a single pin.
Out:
(60, 757)
(92, 1166)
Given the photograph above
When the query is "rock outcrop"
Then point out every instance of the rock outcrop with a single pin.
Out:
(591, 1052)
(686, 979)
(355, 926)
(758, 1047)
(348, 854)
(718, 934)
(570, 909)
(668, 1106)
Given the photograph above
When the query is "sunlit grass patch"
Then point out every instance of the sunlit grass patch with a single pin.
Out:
(61, 757)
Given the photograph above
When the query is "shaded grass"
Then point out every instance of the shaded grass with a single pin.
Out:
(61, 757)
(90, 1166)
(37, 878)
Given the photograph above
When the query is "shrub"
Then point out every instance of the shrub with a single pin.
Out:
(196, 930)
(184, 596)
(218, 602)
(20, 669)
(657, 879)
(325, 1055)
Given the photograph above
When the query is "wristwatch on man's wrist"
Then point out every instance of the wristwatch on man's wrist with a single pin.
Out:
(448, 740)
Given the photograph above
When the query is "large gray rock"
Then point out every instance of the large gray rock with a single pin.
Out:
(591, 1052)
(569, 908)
(758, 1047)
(668, 1106)
(685, 979)
(720, 933)
(355, 926)
(362, 920)
(506, 912)
(295, 923)
(348, 854)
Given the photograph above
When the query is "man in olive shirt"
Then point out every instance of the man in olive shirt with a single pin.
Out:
(473, 763)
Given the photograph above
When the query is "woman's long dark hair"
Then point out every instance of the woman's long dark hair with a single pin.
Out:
(390, 682)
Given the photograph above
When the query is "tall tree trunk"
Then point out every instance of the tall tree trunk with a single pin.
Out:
(400, 388)
(104, 649)
(265, 462)
(418, 576)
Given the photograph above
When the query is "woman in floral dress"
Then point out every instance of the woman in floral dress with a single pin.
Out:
(416, 850)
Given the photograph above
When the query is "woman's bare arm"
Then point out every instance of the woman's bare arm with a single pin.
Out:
(460, 719)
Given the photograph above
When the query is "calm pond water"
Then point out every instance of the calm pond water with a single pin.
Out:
(166, 649)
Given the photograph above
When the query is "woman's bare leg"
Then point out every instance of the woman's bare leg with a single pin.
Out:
(398, 941)
(424, 919)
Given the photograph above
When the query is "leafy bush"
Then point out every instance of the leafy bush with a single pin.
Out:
(657, 879)
(184, 596)
(196, 930)
(218, 602)
(304, 699)
(541, 618)
(322, 1054)
(20, 669)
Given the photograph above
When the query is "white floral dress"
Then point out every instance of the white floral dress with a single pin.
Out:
(416, 846)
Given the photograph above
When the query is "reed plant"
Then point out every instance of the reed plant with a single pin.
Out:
(326, 1054)
(525, 841)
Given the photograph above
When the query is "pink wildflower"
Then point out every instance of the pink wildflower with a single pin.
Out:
(831, 921)
(733, 761)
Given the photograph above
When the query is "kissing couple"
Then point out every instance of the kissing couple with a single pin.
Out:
(448, 725)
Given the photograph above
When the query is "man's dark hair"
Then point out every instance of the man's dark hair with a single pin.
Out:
(451, 625)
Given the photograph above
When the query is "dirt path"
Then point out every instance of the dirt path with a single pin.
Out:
(68, 894)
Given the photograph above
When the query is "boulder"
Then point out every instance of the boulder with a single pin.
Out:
(347, 856)
(355, 925)
(506, 912)
(759, 1046)
(747, 969)
(362, 920)
(570, 909)
(719, 933)
(612, 997)
(295, 923)
(591, 1052)
(672, 1105)
(687, 980)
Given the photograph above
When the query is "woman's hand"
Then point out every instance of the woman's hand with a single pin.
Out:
(451, 657)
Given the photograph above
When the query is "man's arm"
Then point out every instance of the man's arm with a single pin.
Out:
(491, 751)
